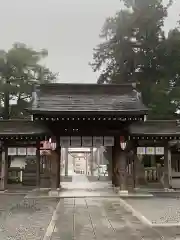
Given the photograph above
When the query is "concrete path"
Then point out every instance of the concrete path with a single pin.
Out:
(89, 217)
(98, 218)
(79, 178)
(81, 187)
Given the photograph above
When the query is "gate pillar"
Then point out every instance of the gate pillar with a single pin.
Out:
(58, 162)
(38, 179)
(119, 160)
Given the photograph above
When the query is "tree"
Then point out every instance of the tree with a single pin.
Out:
(20, 68)
(135, 48)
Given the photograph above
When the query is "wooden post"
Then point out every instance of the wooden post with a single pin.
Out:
(166, 166)
(113, 166)
(92, 162)
(4, 168)
(38, 179)
(169, 168)
(66, 161)
(58, 163)
(115, 162)
(120, 157)
(134, 162)
(122, 170)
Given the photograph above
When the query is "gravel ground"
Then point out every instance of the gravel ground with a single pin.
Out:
(158, 210)
(24, 219)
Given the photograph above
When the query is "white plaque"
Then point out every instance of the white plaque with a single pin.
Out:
(12, 151)
(31, 151)
(65, 141)
(97, 141)
(108, 141)
(46, 145)
(21, 151)
(53, 145)
(150, 150)
(86, 141)
(141, 150)
(159, 150)
(75, 141)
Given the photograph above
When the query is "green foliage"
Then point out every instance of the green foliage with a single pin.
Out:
(20, 68)
(136, 48)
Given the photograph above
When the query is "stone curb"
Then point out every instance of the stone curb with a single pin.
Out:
(143, 219)
(51, 227)
(164, 225)
(131, 195)
(16, 193)
(50, 197)
(137, 214)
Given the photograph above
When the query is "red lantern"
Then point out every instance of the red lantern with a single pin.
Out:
(123, 143)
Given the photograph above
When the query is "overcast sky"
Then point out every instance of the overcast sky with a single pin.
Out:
(69, 29)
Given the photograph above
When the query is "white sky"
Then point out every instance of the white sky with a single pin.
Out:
(69, 29)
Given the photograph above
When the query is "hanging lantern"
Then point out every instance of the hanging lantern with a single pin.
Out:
(123, 143)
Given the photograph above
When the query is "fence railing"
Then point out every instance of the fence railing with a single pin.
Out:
(151, 174)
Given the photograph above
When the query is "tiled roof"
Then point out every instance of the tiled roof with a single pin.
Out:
(161, 128)
(88, 97)
(21, 127)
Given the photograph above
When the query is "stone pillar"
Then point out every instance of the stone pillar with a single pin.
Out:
(38, 179)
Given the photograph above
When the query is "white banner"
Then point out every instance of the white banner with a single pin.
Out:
(150, 150)
(31, 151)
(65, 141)
(141, 150)
(86, 141)
(12, 151)
(97, 141)
(75, 141)
(159, 151)
(21, 152)
(108, 141)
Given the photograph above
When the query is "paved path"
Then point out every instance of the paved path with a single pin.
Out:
(98, 218)
(82, 187)
(79, 178)
(86, 216)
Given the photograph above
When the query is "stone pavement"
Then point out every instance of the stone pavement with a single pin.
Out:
(81, 182)
(94, 216)
(98, 218)
(81, 187)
